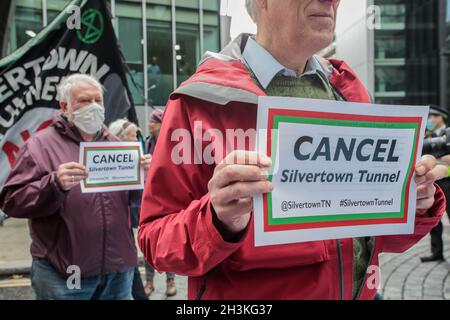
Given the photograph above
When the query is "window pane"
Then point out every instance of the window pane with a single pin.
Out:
(390, 45)
(392, 13)
(448, 82)
(448, 54)
(188, 39)
(191, 4)
(448, 24)
(388, 79)
(159, 52)
(163, 2)
(393, 101)
(129, 31)
(211, 31)
(54, 7)
(213, 5)
(26, 24)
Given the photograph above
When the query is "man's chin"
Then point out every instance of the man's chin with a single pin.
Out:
(321, 41)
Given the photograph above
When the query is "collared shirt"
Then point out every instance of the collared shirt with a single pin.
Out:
(265, 67)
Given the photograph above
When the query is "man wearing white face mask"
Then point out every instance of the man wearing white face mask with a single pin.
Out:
(82, 247)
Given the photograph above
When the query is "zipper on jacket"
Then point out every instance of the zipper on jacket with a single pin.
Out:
(368, 264)
(202, 289)
(337, 95)
(102, 204)
(341, 275)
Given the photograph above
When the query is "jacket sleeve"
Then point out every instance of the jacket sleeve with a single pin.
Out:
(425, 221)
(29, 192)
(176, 230)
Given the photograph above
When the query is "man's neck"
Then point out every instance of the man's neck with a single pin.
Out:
(283, 55)
(87, 137)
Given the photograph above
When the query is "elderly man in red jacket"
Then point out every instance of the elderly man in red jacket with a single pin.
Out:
(196, 217)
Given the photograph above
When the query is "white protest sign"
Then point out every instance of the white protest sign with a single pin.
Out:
(111, 166)
(340, 169)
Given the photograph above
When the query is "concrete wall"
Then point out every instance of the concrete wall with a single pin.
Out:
(355, 41)
(225, 25)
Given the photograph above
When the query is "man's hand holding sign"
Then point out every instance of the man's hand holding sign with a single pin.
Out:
(427, 173)
(146, 161)
(240, 176)
(70, 174)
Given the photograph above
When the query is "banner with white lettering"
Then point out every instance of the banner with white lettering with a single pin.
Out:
(339, 169)
(80, 39)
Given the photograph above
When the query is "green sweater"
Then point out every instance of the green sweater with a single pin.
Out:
(315, 87)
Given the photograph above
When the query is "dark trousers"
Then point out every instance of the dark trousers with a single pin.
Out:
(150, 273)
(437, 245)
(138, 291)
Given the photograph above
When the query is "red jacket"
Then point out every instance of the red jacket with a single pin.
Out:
(176, 229)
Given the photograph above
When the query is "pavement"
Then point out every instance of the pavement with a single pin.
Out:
(15, 262)
(403, 276)
(14, 247)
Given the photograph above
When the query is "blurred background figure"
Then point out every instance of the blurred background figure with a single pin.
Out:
(3, 217)
(154, 81)
(124, 130)
(437, 123)
(128, 131)
(154, 126)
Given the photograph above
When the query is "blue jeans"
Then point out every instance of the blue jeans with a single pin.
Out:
(48, 284)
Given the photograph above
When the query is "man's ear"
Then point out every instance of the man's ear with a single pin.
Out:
(63, 106)
(261, 3)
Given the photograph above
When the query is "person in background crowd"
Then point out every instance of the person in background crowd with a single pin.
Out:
(128, 131)
(154, 81)
(154, 126)
(3, 217)
(436, 125)
(140, 138)
(73, 233)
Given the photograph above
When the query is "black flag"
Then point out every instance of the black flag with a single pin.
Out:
(80, 39)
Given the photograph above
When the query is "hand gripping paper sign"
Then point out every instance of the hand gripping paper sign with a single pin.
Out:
(111, 166)
(340, 169)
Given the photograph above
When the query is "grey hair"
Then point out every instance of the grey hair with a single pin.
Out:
(121, 127)
(251, 9)
(67, 84)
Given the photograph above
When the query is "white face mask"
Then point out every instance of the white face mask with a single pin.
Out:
(89, 119)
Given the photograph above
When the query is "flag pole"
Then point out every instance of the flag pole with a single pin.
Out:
(144, 52)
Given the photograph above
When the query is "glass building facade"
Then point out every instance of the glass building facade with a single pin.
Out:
(390, 53)
(162, 40)
(446, 52)
(412, 64)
